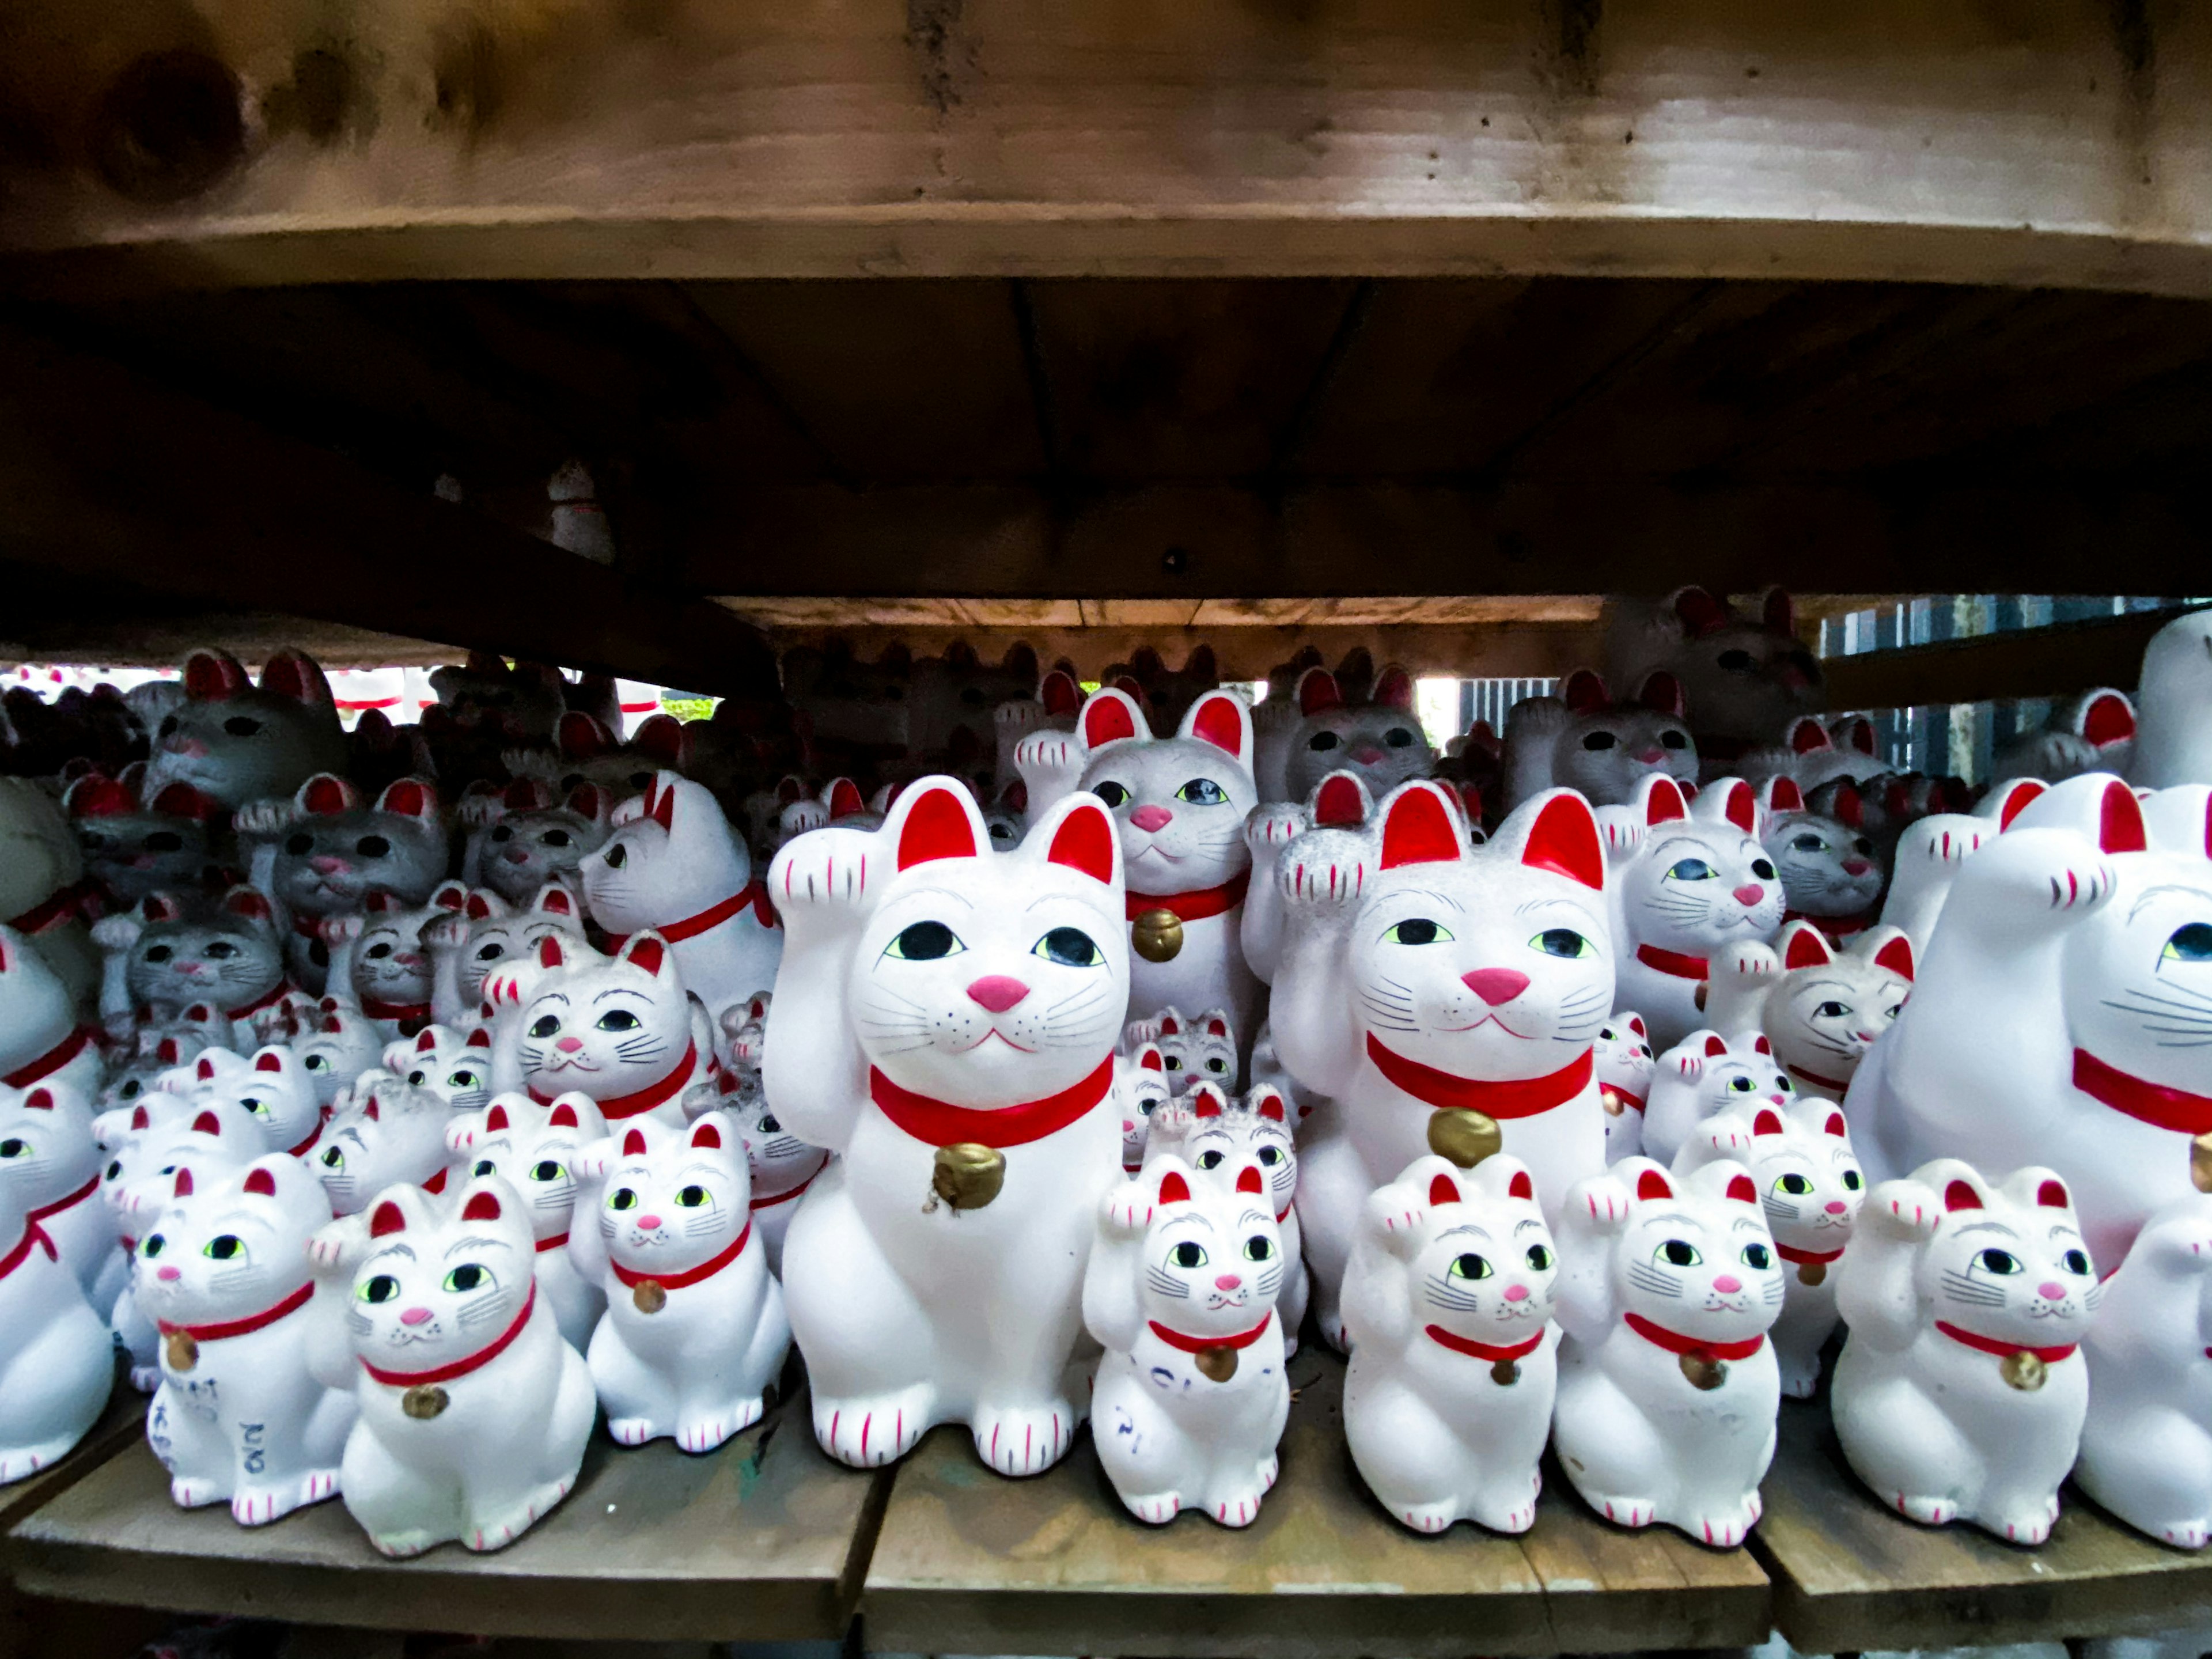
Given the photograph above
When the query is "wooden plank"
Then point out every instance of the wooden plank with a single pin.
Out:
(2055, 143)
(122, 1424)
(971, 1562)
(110, 476)
(763, 1539)
(2028, 662)
(1849, 1576)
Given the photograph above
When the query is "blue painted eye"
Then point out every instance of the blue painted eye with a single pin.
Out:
(2190, 944)
(1201, 792)
(1757, 1257)
(1690, 870)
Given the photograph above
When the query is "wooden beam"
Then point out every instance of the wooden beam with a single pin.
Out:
(111, 478)
(2023, 143)
(2029, 662)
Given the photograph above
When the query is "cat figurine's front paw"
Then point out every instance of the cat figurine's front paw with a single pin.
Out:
(1017, 1441)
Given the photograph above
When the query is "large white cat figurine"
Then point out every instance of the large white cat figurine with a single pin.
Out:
(40, 1039)
(1668, 1388)
(1191, 1396)
(1418, 973)
(385, 1132)
(1960, 1394)
(1448, 1302)
(944, 1021)
(51, 1159)
(1704, 1076)
(2174, 736)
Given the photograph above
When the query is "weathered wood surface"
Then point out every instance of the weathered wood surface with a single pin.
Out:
(1849, 1575)
(2028, 662)
(968, 1561)
(2030, 141)
(122, 1422)
(763, 1539)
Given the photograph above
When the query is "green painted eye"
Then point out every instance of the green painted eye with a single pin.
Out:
(1468, 1266)
(691, 1197)
(2003, 1263)
(547, 1169)
(1795, 1185)
(1210, 1158)
(14, 1146)
(546, 1026)
(1109, 792)
(153, 1246)
(1757, 1257)
(468, 1277)
(333, 1158)
(2190, 944)
(1259, 1248)
(623, 1197)
(1563, 942)
(1417, 930)
(1187, 1254)
(1853, 1181)
(382, 1288)
(225, 1247)
(1690, 870)
(1678, 1253)
(1201, 792)
(485, 1167)
(1539, 1257)
(1071, 947)
(925, 941)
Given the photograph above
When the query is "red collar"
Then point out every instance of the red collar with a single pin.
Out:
(1674, 1342)
(1614, 1091)
(1803, 1256)
(785, 1197)
(44, 1210)
(1817, 1081)
(1522, 1098)
(309, 1145)
(1196, 905)
(412, 1015)
(938, 1123)
(1475, 1350)
(308, 928)
(216, 1333)
(276, 994)
(707, 1269)
(755, 893)
(483, 1357)
(1194, 1344)
(33, 1234)
(50, 1061)
(645, 1099)
(552, 1243)
(1281, 1215)
(2002, 1350)
(77, 899)
(2154, 1104)
(1672, 962)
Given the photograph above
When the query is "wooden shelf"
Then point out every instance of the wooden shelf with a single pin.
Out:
(762, 1539)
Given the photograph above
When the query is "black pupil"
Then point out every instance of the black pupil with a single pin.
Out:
(546, 1027)
(221, 950)
(692, 1197)
(555, 838)
(467, 1276)
(169, 725)
(2077, 1262)
(2192, 943)
(301, 845)
(11, 1147)
(1680, 1254)
(372, 846)
(1809, 844)
(1209, 1160)
(491, 952)
(1736, 662)
(379, 951)
(383, 1288)
(1112, 794)
(1755, 1255)
(1399, 737)
(768, 1125)
(618, 1019)
(1796, 1185)
(240, 726)
(502, 833)
(1539, 1257)
(1472, 1267)
(1998, 1261)
(1762, 869)
(1071, 947)
(1323, 740)
(332, 1158)
(624, 1198)
(1271, 1156)
(483, 1166)
(545, 1170)
(153, 1244)
(1673, 739)
(159, 953)
(165, 840)
(1561, 941)
(617, 856)
(925, 941)
(1419, 931)
(1599, 740)
(226, 1247)
(1188, 1255)
(1852, 1180)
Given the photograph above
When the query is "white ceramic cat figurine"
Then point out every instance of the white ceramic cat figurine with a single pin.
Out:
(1339, 801)
(1377, 739)
(386, 1131)
(474, 1413)
(378, 957)
(1582, 740)
(537, 1150)
(1448, 1302)
(1929, 851)
(2147, 1442)
(2052, 1014)
(45, 894)
(1960, 1394)
(2173, 739)
(1746, 677)
(620, 1029)
(1198, 1050)
(1191, 1396)
(1141, 1083)
(1179, 805)
(343, 1044)
(134, 847)
(783, 1168)
(223, 1271)
(272, 1086)
(1668, 1388)
(454, 1066)
(50, 1158)
(487, 931)
(529, 835)
(1820, 1007)
(1622, 1055)
(236, 742)
(56, 1358)
(2091, 731)
(1799, 1158)
(1832, 873)
(1059, 699)
(675, 866)
(1699, 883)
(1418, 975)
(40, 1039)
(694, 1328)
(938, 999)
(1217, 1132)
(1703, 1076)
(172, 952)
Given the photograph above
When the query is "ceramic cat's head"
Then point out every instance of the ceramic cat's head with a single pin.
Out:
(1178, 804)
(499, 933)
(336, 850)
(673, 1199)
(1746, 676)
(1140, 1083)
(132, 1076)
(1165, 694)
(387, 1133)
(1701, 880)
(1828, 868)
(1214, 1258)
(1608, 748)
(134, 850)
(46, 1147)
(443, 1278)
(541, 837)
(745, 1028)
(533, 1149)
(1624, 1062)
(606, 1026)
(1221, 1133)
(454, 1066)
(229, 955)
(1378, 739)
(228, 1245)
(671, 855)
(2006, 1260)
(344, 1043)
(1801, 1159)
(270, 1084)
(1831, 1003)
(235, 742)
(38, 854)
(1478, 1257)
(1200, 1050)
(1730, 1075)
(168, 1136)
(1694, 1256)
(391, 962)
(1494, 962)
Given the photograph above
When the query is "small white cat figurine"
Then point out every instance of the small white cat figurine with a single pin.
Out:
(1800, 1158)
(223, 1272)
(269, 1083)
(1623, 1057)
(1212, 1131)
(1668, 1389)
(694, 1328)
(474, 1413)
(620, 1029)
(386, 1132)
(486, 932)
(1197, 1050)
(1141, 1083)
(1819, 1007)
(1746, 677)
(56, 1357)
(1448, 1302)
(783, 1168)
(1191, 1396)
(1959, 1393)
(1831, 872)
(1704, 1076)
(455, 1065)
(1377, 738)
(1582, 740)
(537, 1150)
(1339, 801)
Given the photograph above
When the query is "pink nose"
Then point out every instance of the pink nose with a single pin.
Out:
(1516, 1292)
(414, 1316)
(997, 992)
(326, 864)
(1367, 754)
(2052, 1290)
(1727, 1284)
(1856, 867)
(1227, 1282)
(569, 1045)
(1651, 755)
(1750, 893)
(185, 746)
(1128, 1127)
(1835, 1206)
(648, 1224)
(1496, 985)
(517, 855)
(1150, 819)
(168, 1272)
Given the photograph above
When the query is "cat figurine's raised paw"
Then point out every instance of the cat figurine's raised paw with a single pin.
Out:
(540, 1151)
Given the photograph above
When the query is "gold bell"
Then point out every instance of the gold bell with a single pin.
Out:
(1463, 1137)
(423, 1402)
(1812, 1272)
(648, 1295)
(2023, 1371)
(1157, 935)
(1505, 1372)
(1217, 1364)
(969, 1174)
(183, 1352)
(2200, 1163)
(1704, 1372)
